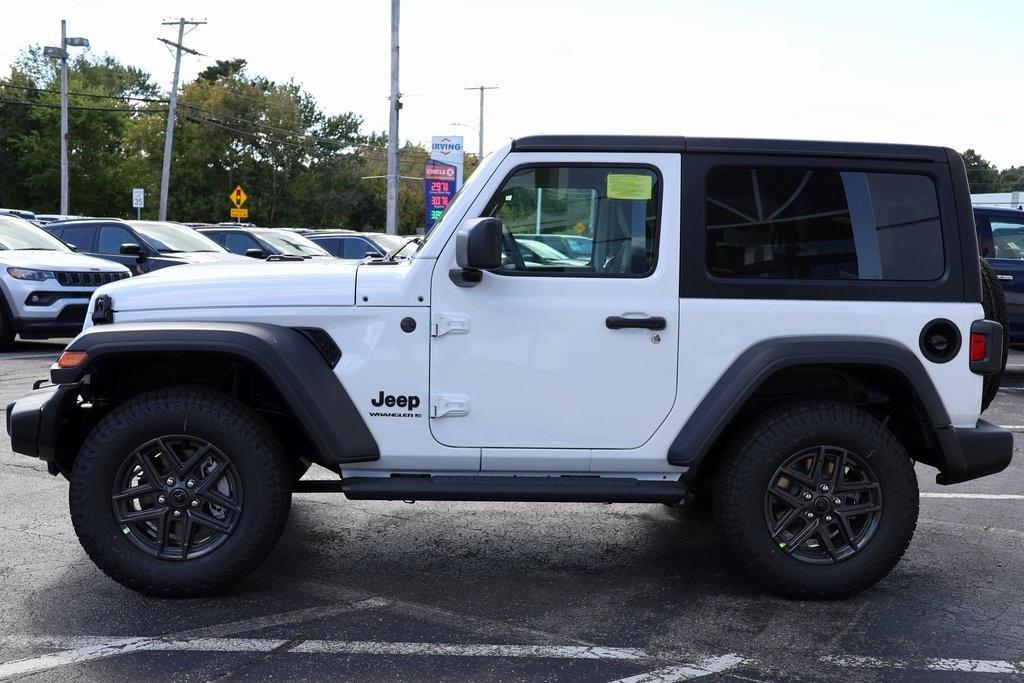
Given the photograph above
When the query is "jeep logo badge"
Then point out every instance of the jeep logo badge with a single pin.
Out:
(408, 403)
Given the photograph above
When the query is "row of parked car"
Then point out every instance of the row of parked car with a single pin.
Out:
(50, 268)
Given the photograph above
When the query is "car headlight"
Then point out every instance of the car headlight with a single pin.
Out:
(30, 274)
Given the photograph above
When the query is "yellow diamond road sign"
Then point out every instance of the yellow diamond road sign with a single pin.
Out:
(238, 197)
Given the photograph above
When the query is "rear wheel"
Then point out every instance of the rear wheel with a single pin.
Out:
(180, 492)
(994, 302)
(817, 500)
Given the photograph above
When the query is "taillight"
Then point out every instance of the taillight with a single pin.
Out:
(979, 346)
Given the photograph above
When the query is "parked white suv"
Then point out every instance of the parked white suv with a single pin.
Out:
(780, 328)
(45, 286)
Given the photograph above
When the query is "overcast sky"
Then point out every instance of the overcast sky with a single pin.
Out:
(943, 72)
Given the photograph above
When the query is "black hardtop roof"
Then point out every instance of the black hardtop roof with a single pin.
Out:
(678, 144)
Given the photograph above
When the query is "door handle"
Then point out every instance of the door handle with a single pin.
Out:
(615, 322)
(1005, 278)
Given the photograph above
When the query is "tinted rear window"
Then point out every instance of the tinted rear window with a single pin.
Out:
(822, 224)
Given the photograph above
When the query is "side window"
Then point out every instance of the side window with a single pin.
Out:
(82, 236)
(111, 239)
(217, 237)
(355, 247)
(1007, 237)
(822, 224)
(238, 242)
(608, 214)
(331, 245)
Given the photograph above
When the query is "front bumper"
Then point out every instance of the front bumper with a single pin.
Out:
(35, 420)
(970, 453)
(67, 323)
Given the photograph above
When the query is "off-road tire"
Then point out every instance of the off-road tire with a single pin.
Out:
(750, 462)
(6, 328)
(994, 302)
(232, 427)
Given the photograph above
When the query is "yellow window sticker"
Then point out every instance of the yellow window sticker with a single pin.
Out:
(629, 186)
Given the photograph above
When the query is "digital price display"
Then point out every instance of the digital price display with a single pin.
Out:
(439, 185)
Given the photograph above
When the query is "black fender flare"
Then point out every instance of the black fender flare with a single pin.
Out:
(759, 362)
(286, 356)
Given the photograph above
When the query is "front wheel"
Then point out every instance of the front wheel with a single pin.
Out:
(180, 492)
(817, 500)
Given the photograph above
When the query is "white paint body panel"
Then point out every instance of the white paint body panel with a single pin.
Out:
(551, 390)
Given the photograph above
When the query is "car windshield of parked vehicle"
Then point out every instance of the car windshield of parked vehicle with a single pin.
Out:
(17, 234)
(1008, 237)
(168, 238)
(290, 243)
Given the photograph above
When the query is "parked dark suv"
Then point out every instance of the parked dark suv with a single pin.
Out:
(356, 245)
(264, 242)
(143, 246)
(1001, 242)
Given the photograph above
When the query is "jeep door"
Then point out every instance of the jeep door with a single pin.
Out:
(562, 352)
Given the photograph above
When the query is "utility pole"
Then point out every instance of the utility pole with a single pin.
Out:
(165, 176)
(396, 104)
(480, 130)
(61, 53)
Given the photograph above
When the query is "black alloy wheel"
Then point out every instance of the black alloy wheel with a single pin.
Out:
(177, 497)
(823, 505)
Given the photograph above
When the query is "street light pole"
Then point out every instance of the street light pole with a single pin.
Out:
(61, 53)
(396, 104)
(65, 192)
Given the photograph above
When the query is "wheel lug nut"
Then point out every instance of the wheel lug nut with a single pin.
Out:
(808, 496)
(195, 503)
(169, 481)
(190, 483)
(810, 515)
(824, 487)
(177, 513)
(837, 500)
(161, 500)
(828, 518)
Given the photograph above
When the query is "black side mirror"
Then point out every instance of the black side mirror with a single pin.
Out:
(132, 249)
(255, 253)
(477, 248)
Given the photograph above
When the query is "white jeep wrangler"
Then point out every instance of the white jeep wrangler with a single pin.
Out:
(780, 329)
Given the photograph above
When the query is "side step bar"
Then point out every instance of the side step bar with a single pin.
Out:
(566, 489)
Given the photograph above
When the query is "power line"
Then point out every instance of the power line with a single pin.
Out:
(44, 105)
(83, 94)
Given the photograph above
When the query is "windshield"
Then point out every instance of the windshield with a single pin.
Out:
(388, 243)
(290, 243)
(168, 238)
(18, 234)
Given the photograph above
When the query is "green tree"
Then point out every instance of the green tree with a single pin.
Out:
(981, 174)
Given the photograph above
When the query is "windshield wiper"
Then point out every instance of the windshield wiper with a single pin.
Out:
(32, 249)
(170, 251)
(390, 256)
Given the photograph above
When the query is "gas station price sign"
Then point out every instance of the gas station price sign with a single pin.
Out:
(439, 186)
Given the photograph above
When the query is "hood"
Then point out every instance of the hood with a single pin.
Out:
(249, 282)
(58, 260)
(206, 257)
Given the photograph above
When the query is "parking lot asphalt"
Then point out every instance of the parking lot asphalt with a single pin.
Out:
(477, 591)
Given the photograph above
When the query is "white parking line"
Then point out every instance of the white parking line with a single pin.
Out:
(672, 674)
(988, 666)
(974, 496)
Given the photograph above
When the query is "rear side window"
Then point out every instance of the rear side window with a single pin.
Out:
(822, 224)
(1007, 237)
(80, 236)
(356, 247)
(111, 239)
(239, 242)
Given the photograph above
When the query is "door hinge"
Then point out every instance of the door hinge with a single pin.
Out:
(443, 323)
(448, 405)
